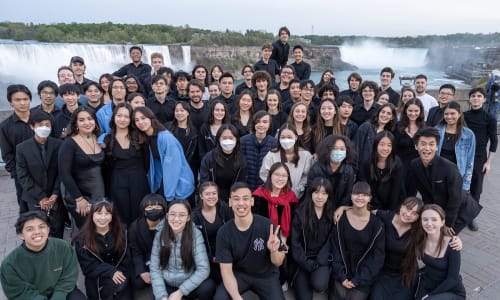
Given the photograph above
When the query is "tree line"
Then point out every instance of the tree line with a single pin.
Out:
(167, 34)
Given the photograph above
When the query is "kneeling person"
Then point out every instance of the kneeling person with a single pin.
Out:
(248, 250)
(41, 267)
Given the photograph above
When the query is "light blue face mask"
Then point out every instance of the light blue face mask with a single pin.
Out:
(337, 156)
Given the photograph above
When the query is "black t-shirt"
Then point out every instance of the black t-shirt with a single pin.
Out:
(246, 250)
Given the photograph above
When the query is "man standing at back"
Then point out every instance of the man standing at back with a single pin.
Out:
(421, 90)
(77, 64)
(267, 64)
(386, 77)
(137, 68)
(302, 69)
(281, 48)
(436, 113)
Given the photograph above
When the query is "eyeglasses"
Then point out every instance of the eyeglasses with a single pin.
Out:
(177, 216)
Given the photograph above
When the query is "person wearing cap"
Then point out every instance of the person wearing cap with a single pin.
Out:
(77, 64)
(14, 130)
(41, 267)
(48, 91)
(302, 69)
(137, 68)
(36, 166)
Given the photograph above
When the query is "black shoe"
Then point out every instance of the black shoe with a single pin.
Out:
(473, 226)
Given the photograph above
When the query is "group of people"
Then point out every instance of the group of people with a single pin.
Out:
(183, 185)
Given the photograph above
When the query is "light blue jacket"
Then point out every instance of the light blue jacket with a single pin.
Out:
(174, 274)
(172, 168)
(465, 148)
(103, 116)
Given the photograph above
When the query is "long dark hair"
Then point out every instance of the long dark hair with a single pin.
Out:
(389, 126)
(211, 118)
(155, 123)
(307, 215)
(219, 153)
(72, 128)
(460, 122)
(404, 122)
(268, 185)
(417, 245)
(237, 115)
(205, 82)
(88, 231)
(132, 134)
(296, 147)
(140, 88)
(306, 125)
(319, 129)
(174, 125)
(391, 162)
(167, 237)
(326, 146)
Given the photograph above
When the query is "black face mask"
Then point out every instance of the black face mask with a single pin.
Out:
(154, 214)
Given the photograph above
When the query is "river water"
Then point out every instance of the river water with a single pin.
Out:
(30, 62)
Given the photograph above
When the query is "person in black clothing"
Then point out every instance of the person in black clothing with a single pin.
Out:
(281, 48)
(199, 109)
(267, 64)
(180, 93)
(141, 234)
(286, 76)
(209, 216)
(384, 173)
(345, 105)
(248, 251)
(358, 247)
(354, 80)
(134, 85)
(225, 164)
(217, 116)
(14, 130)
(446, 95)
(484, 126)
(103, 254)
(227, 95)
(261, 83)
(215, 73)
(136, 67)
(335, 158)
(439, 182)
(135, 100)
(126, 164)
(77, 64)
(48, 90)
(300, 118)
(37, 172)
(104, 82)
(243, 113)
(302, 69)
(94, 93)
(274, 108)
(247, 72)
(69, 93)
(160, 103)
(200, 73)
(80, 160)
(386, 77)
(312, 225)
(364, 110)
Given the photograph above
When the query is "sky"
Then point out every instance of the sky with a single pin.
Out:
(322, 17)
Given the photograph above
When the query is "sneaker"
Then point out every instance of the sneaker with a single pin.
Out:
(473, 226)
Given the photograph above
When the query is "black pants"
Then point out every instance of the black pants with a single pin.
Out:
(203, 292)
(476, 185)
(23, 206)
(126, 191)
(266, 288)
(76, 294)
(341, 293)
(55, 215)
(104, 288)
(306, 283)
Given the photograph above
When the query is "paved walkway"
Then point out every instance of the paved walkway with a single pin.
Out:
(480, 256)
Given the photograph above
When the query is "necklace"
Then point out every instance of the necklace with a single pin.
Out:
(91, 145)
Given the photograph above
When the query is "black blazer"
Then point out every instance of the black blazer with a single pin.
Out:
(443, 188)
(38, 180)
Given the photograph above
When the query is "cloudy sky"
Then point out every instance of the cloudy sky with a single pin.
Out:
(328, 17)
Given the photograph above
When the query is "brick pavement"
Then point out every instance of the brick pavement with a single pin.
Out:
(480, 259)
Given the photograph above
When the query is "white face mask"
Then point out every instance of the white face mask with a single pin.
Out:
(228, 145)
(287, 144)
(43, 131)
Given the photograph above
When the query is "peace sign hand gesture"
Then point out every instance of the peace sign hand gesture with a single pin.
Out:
(273, 243)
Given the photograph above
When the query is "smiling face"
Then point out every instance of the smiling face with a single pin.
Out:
(407, 95)
(295, 91)
(136, 56)
(368, 94)
(35, 234)
(216, 73)
(299, 114)
(451, 116)
(122, 118)
(180, 113)
(104, 83)
(143, 123)
(445, 95)
(420, 85)
(408, 215)
(272, 102)
(262, 125)
(354, 84)
(360, 200)
(327, 111)
(426, 148)
(85, 123)
(157, 63)
(93, 94)
(241, 202)
(219, 112)
(385, 116)
(383, 99)
(385, 79)
(245, 103)
(262, 85)
(384, 148)
(298, 55)
(137, 101)
(118, 91)
(132, 85)
(177, 217)
(413, 112)
(279, 178)
(102, 219)
(209, 196)
(319, 197)
(70, 99)
(195, 93)
(327, 76)
(477, 100)
(432, 221)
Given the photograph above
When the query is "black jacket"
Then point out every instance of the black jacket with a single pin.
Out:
(140, 244)
(342, 181)
(38, 180)
(370, 263)
(206, 141)
(280, 53)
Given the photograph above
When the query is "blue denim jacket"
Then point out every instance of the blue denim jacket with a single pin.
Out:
(465, 148)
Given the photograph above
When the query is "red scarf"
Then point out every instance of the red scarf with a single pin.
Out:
(284, 199)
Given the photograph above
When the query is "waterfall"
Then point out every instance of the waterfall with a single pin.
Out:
(374, 55)
(148, 49)
(186, 56)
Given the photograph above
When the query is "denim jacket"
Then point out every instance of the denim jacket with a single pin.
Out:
(465, 148)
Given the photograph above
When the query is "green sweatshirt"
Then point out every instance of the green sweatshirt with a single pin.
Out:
(48, 274)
